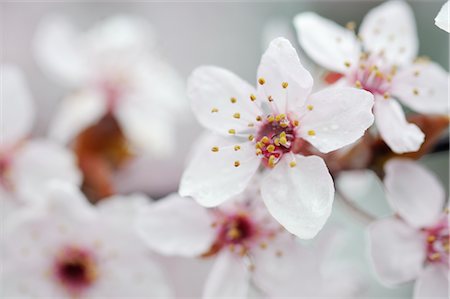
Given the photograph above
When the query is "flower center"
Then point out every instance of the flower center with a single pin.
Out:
(75, 269)
(5, 164)
(236, 229)
(438, 245)
(372, 75)
(275, 138)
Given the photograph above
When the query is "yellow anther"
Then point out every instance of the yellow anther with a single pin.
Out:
(261, 81)
(252, 97)
(283, 134)
(416, 73)
(259, 144)
(358, 84)
(415, 91)
(277, 141)
(251, 125)
(233, 100)
(263, 245)
(237, 115)
(284, 124)
(272, 161)
(258, 151)
(232, 131)
(379, 74)
(265, 140)
(270, 118)
(259, 118)
(237, 147)
(251, 137)
(386, 95)
(215, 149)
(310, 107)
(435, 256)
(280, 117)
(292, 164)
(284, 85)
(237, 163)
(283, 140)
(389, 78)
(296, 123)
(270, 98)
(311, 133)
(350, 26)
(270, 148)
(431, 239)
(214, 110)
(347, 64)
(362, 66)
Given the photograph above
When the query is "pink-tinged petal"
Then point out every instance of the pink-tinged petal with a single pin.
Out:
(17, 106)
(336, 117)
(300, 198)
(215, 176)
(279, 65)
(442, 20)
(176, 226)
(329, 44)
(40, 161)
(413, 192)
(149, 130)
(433, 282)
(399, 135)
(390, 29)
(229, 278)
(221, 100)
(59, 50)
(423, 87)
(397, 251)
(75, 113)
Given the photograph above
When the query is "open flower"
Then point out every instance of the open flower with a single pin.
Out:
(442, 20)
(380, 60)
(117, 71)
(269, 127)
(25, 165)
(414, 245)
(64, 248)
(251, 250)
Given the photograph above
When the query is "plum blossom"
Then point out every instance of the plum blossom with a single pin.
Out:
(414, 244)
(26, 164)
(442, 20)
(380, 59)
(115, 72)
(64, 248)
(251, 252)
(269, 127)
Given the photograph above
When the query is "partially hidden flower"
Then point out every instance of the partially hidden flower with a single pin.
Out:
(413, 244)
(380, 59)
(64, 248)
(442, 20)
(26, 164)
(252, 253)
(268, 128)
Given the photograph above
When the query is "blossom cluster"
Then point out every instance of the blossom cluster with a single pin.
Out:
(251, 215)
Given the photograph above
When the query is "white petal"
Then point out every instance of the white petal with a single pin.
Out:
(390, 28)
(299, 197)
(17, 106)
(442, 20)
(229, 278)
(413, 192)
(176, 226)
(423, 87)
(59, 50)
(280, 63)
(399, 135)
(432, 283)
(212, 177)
(148, 129)
(329, 44)
(40, 161)
(213, 88)
(397, 251)
(76, 113)
(123, 208)
(339, 117)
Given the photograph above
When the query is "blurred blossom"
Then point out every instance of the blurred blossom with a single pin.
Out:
(380, 60)
(442, 20)
(252, 253)
(64, 248)
(126, 99)
(26, 164)
(414, 244)
(272, 127)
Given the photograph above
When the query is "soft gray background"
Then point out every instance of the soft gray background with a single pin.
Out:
(228, 34)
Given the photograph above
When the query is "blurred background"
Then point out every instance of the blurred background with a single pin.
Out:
(232, 35)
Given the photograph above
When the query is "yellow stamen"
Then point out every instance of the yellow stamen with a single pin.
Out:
(236, 163)
(232, 131)
(214, 110)
(237, 147)
(347, 64)
(265, 140)
(272, 161)
(284, 85)
(252, 97)
(310, 107)
(261, 81)
(251, 137)
(237, 115)
(270, 99)
(270, 148)
(259, 118)
(233, 100)
(215, 149)
(292, 164)
(415, 91)
(296, 123)
(270, 118)
(311, 133)
(358, 84)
